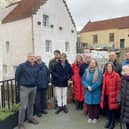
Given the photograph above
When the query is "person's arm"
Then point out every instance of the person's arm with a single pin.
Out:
(84, 81)
(98, 82)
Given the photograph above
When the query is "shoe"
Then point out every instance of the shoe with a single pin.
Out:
(89, 120)
(112, 125)
(59, 109)
(65, 109)
(21, 126)
(39, 114)
(77, 105)
(33, 121)
(44, 112)
(94, 121)
(107, 124)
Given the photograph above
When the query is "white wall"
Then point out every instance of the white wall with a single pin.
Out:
(58, 16)
(19, 35)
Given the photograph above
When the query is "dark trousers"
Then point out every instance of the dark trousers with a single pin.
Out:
(109, 113)
(40, 102)
(93, 111)
(127, 126)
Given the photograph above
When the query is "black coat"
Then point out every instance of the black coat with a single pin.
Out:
(124, 100)
(62, 74)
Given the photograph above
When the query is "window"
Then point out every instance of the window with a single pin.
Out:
(45, 20)
(111, 37)
(122, 43)
(48, 46)
(67, 47)
(95, 39)
(7, 43)
(4, 68)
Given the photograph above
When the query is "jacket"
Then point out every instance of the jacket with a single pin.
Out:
(77, 83)
(43, 76)
(113, 89)
(62, 74)
(26, 74)
(92, 97)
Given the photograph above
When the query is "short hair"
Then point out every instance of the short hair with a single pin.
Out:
(64, 54)
(57, 51)
(30, 53)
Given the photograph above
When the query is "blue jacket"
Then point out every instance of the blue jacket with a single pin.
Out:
(94, 96)
(125, 62)
(62, 74)
(43, 76)
(26, 74)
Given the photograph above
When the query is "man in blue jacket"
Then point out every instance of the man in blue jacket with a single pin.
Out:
(126, 61)
(26, 77)
(42, 87)
(62, 73)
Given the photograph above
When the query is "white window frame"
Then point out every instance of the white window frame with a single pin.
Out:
(7, 45)
(48, 46)
(67, 46)
(45, 20)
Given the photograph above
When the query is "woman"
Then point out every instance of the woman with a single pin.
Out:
(42, 87)
(77, 83)
(92, 79)
(110, 90)
(124, 96)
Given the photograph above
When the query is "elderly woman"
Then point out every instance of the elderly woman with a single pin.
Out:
(77, 83)
(92, 79)
(124, 96)
(110, 90)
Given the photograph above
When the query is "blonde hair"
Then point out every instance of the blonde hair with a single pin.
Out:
(125, 70)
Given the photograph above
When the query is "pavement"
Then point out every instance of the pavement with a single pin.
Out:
(73, 120)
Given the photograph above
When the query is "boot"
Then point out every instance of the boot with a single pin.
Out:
(81, 105)
(112, 125)
(108, 123)
(77, 105)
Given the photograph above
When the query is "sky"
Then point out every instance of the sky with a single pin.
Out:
(94, 10)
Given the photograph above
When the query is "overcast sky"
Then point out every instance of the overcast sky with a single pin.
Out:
(85, 10)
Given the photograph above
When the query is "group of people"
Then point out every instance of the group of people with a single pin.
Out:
(93, 86)
(106, 88)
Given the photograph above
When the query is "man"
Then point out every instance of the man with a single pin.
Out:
(117, 65)
(42, 87)
(126, 61)
(52, 62)
(26, 75)
(62, 73)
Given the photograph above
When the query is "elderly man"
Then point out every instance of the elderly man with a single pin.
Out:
(26, 75)
(117, 65)
(126, 61)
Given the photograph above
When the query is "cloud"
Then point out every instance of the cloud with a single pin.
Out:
(85, 10)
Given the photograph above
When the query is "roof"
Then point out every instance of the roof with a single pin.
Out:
(115, 23)
(25, 8)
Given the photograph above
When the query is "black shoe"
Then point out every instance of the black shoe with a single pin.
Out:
(81, 105)
(107, 124)
(39, 114)
(65, 109)
(112, 125)
(44, 112)
(59, 109)
(77, 105)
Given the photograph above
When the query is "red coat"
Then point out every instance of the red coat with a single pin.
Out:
(77, 83)
(113, 82)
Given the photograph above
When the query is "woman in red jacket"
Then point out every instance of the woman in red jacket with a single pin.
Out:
(110, 90)
(77, 83)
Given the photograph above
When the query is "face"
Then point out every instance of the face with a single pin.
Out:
(126, 70)
(31, 58)
(127, 56)
(63, 58)
(93, 64)
(112, 56)
(109, 68)
(57, 55)
(79, 58)
(87, 58)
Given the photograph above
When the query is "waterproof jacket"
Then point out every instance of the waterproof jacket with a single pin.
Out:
(62, 74)
(43, 76)
(124, 100)
(77, 83)
(113, 84)
(92, 97)
(26, 74)
(125, 62)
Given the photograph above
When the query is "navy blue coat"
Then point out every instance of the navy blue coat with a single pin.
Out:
(43, 76)
(62, 74)
(26, 74)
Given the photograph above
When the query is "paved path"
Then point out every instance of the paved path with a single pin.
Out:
(73, 120)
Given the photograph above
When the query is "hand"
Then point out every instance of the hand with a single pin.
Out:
(89, 88)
